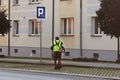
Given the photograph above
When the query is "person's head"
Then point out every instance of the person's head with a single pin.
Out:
(56, 38)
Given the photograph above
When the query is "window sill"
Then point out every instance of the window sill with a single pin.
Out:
(64, 0)
(16, 35)
(65, 35)
(96, 35)
(31, 3)
(16, 5)
(34, 35)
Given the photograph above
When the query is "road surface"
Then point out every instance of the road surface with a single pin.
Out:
(6, 74)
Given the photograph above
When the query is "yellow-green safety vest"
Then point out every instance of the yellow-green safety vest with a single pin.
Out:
(57, 45)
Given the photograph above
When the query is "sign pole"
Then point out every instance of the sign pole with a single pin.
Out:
(40, 23)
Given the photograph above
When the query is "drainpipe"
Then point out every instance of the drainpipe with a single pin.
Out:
(53, 13)
(9, 30)
(53, 21)
(81, 28)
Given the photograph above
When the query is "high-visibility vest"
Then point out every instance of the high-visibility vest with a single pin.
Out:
(57, 45)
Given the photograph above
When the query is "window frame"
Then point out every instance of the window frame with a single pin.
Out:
(1, 50)
(65, 29)
(0, 2)
(15, 2)
(34, 1)
(15, 50)
(96, 55)
(94, 27)
(16, 27)
(32, 23)
(34, 52)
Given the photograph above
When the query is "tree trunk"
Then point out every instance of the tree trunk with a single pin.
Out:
(118, 50)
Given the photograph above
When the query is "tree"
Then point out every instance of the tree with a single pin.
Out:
(109, 18)
(4, 23)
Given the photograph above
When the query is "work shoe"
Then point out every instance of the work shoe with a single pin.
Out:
(55, 67)
(59, 67)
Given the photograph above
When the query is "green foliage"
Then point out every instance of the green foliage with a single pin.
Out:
(4, 24)
(109, 17)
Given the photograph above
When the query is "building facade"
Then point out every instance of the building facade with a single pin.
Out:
(25, 32)
(96, 42)
(3, 39)
(83, 37)
(74, 23)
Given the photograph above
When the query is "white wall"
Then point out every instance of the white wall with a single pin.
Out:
(23, 13)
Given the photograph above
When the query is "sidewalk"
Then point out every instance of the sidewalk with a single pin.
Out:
(67, 63)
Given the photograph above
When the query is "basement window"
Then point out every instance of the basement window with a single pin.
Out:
(0, 49)
(15, 50)
(67, 53)
(33, 51)
(96, 55)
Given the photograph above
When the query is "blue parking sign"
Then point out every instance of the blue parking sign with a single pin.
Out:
(41, 12)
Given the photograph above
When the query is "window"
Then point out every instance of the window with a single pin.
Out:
(67, 26)
(34, 1)
(0, 49)
(33, 51)
(15, 2)
(15, 50)
(64, 0)
(96, 55)
(34, 27)
(15, 27)
(0, 2)
(95, 27)
(67, 53)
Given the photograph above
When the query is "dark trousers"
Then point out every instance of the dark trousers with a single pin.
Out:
(57, 59)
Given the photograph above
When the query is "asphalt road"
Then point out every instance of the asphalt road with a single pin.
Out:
(26, 75)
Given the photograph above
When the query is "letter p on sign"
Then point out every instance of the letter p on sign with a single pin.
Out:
(40, 11)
